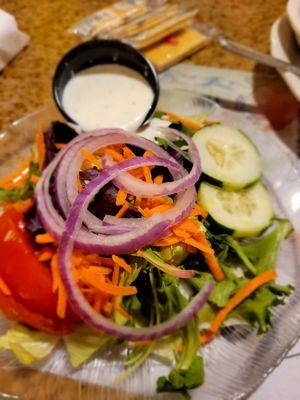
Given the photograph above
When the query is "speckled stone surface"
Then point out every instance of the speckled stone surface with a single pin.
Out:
(26, 83)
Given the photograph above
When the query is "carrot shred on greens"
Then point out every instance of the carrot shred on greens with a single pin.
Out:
(197, 210)
(20, 173)
(158, 179)
(238, 298)
(122, 210)
(127, 153)
(117, 306)
(59, 146)
(44, 238)
(168, 241)
(190, 124)
(147, 174)
(58, 286)
(102, 285)
(92, 159)
(198, 245)
(211, 259)
(113, 153)
(46, 254)
(121, 197)
(121, 263)
(34, 179)
(22, 206)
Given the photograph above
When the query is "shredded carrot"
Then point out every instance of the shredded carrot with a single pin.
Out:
(168, 241)
(34, 179)
(147, 175)
(121, 310)
(99, 270)
(190, 124)
(57, 285)
(211, 259)
(127, 153)
(59, 146)
(20, 172)
(141, 343)
(206, 337)
(158, 179)
(143, 212)
(121, 263)
(180, 347)
(22, 206)
(107, 308)
(198, 245)
(92, 159)
(79, 185)
(54, 273)
(109, 288)
(197, 210)
(116, 275)
(214, 266)
(44, 238)
(139, 253)
(4, 288)
(122, 210)
(189, 225)
(46, 254)
(121, 197)
(97, 302)
(62, 301)
(181, 233)
(157, 209)
(240, 296)
(113, 153)
(148, 153)
(40, 146)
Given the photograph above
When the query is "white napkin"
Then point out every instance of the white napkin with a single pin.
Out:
(12, 41)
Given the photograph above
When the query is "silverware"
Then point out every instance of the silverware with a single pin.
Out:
(235, 47)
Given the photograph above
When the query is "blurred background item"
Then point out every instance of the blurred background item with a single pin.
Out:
(12, 40)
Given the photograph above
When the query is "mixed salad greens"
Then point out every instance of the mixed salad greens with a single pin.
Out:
(103, 241)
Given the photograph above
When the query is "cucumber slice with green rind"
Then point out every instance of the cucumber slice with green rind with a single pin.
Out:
(244, 212)
(229, 158)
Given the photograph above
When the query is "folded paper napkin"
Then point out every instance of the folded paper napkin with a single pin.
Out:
(12, 41)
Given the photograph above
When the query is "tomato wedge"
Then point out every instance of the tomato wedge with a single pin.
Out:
(32, 300)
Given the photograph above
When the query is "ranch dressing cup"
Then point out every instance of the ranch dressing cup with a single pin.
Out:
(105, 84)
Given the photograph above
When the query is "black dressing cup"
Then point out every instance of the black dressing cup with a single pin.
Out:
(97, 52)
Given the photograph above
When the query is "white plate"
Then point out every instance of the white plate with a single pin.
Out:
(236, 364)
(284, 47)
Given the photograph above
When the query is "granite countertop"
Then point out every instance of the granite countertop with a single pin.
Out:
(26, 83)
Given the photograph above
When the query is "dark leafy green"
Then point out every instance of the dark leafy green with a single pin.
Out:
(182, 380)
(264, 251)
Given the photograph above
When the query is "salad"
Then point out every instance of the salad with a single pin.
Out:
(108, 238)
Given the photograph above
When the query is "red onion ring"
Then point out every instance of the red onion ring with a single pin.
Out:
(151, 227)
(67, 189)
(77, 300)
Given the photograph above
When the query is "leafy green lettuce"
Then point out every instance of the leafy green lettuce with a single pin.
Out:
(24, 192)
(28, 345)
(83, 343)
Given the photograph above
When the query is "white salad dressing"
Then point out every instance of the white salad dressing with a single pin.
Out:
(107, 96)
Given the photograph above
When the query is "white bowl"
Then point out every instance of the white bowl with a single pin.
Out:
(284, 47)
(293, 14)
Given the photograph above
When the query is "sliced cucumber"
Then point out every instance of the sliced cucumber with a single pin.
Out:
(229, 158)
(243, 212)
